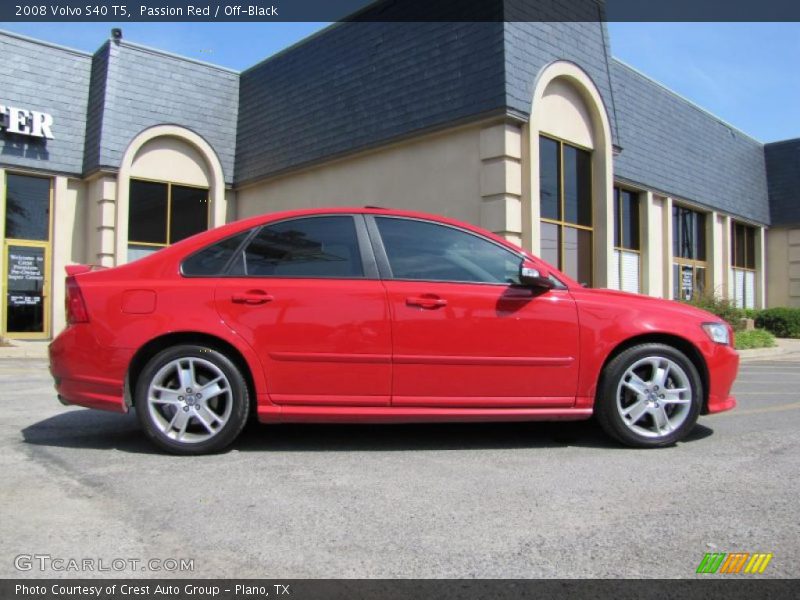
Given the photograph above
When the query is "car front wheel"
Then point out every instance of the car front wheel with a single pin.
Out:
(650, 396)
(191, 400)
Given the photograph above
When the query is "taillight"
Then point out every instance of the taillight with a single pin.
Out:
(76, 307)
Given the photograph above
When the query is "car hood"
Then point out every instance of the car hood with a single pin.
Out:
(677, 310)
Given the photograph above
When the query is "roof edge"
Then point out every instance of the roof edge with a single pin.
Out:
(40, 42)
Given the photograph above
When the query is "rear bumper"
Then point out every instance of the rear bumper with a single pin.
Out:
(723, 366)
(87, 374)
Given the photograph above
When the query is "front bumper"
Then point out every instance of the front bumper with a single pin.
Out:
(87, 374)
(723, 366)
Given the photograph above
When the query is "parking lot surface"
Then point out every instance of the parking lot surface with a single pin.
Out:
(465, 500)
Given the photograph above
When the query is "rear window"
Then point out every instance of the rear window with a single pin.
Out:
(310, 247)
(212, 260)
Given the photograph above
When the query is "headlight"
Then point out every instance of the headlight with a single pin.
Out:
(718, 332)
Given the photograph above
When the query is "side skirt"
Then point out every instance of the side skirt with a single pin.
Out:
(394, 414)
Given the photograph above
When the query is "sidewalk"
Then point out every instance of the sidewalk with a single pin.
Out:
(786, 350)
(25, 349)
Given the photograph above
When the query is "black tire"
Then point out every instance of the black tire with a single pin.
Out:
(648, 429)
(226, 412)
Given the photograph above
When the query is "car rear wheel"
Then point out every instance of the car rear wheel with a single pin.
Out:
(191, 399)
(650, 396)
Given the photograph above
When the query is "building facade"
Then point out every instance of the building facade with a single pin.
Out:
(529, 129)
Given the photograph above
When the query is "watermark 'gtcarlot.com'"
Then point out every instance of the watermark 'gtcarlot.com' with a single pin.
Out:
(48, 562)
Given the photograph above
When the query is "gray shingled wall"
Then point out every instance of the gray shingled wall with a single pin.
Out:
(673, 146)
(96, 108)
(783, 178)
(145, 88)
(357, 85)
(48, 79)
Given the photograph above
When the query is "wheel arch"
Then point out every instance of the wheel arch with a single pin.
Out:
(679, 343)
(156, 345)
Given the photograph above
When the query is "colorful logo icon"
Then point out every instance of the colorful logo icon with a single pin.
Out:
(735, 562)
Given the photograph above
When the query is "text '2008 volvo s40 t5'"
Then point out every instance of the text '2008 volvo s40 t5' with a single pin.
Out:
(376, 315)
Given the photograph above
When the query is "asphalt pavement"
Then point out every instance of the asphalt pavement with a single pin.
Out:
(463, 500)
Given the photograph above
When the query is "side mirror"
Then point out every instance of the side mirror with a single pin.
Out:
(529, 276)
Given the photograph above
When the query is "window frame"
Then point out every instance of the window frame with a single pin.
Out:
(742, 269)
(169, 185)
(368, 263)
(618, 226)
(734, 245)
(561, 223)
(47, 245)
(382, 258)
(693, 263)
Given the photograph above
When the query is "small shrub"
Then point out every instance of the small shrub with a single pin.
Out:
(753, 313)
(757, 338)
(781, 322)
(722, 307)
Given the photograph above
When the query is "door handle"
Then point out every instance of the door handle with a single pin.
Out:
(252, 297)
(426, 301)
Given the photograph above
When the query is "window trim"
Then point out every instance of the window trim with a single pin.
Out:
(382, 257)
(169, 185)
(561, 223)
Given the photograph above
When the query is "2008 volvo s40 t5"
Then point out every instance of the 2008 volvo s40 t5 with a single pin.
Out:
(375, 315)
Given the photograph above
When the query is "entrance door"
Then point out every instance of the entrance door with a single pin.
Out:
(26, 258)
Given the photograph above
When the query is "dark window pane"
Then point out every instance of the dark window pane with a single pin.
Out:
(578, 255)
(699, 282)
(189, 212)
(699, 247)
(740, 245)
(27, 207)
(676, 232)
(147, 213)
(551, 244)
(630, 220)
(676, 281)
(688, 233)
(577, 186)
(428, 251)
(311, 247)
(25, 293)
(212, 260)
(549, 179)
(750, 248)
(617, 232)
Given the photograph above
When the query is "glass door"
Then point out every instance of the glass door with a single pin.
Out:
(27, 290)
(26, 257)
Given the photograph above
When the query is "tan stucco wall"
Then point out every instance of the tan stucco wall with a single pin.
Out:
(438, 174)
(783, 266)
(169, 158)
(69, 208)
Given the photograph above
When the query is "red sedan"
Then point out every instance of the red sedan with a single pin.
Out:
(374, 315)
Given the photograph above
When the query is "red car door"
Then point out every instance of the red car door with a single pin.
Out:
(463, 334)
(307, 299)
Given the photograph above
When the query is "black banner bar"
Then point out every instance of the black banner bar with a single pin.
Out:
(122, 11)
(711, 588)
